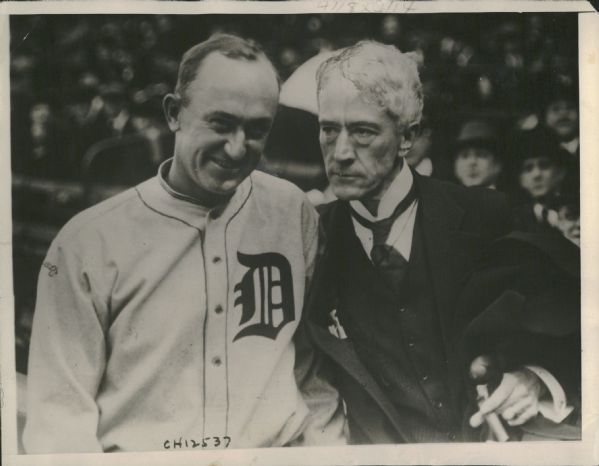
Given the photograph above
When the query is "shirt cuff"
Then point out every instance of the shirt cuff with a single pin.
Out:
(555, 410)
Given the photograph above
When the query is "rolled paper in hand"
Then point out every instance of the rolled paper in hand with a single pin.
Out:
(482, 370)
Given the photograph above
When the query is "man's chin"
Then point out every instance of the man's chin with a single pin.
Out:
(348, 193)
(221, 185)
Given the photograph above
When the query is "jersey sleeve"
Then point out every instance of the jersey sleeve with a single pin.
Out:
(310, 235)
(66, 358)
(326, 419)
(326, 423)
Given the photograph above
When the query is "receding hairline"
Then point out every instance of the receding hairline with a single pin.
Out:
(262, 61)
(226, 45)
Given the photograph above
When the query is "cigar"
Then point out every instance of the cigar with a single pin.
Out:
(482, 370)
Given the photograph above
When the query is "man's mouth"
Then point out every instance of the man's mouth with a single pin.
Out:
(226, 164)
(344, 175)
(565, 121)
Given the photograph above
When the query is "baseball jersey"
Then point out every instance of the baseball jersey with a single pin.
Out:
(160, 324)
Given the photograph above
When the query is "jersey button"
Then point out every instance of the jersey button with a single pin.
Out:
(216, 361)
(216, 259)
(218, 309)
(439, 404)
(424, 378)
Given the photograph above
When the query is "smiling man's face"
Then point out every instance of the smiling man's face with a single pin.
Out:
(360, 141)
(221, 130)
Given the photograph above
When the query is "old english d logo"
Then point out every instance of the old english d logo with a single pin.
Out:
(267, 286)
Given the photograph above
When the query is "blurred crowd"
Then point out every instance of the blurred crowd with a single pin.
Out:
(79, 80)
(501, 96)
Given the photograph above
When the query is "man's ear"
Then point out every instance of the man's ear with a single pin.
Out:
(171, 105)
(408, 138)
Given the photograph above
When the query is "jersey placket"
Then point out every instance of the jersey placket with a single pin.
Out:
(215, 338)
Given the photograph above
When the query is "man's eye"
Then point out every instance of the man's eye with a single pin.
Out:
(256, 132)
(364, 135)
(329, 132)
(221, 126)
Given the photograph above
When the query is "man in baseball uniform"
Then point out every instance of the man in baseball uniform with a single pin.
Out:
(166, 316)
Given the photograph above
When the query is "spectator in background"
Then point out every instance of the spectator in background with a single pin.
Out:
(48, 133)
(560, 116)
(419, 156)
(477, 160)
(82, 106)
(116, 110)
(540, 171)
(568, 218)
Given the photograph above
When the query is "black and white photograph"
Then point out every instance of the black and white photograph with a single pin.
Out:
(315, 229)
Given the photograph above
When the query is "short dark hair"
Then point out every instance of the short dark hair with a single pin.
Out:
(538, 143)
(229, 45)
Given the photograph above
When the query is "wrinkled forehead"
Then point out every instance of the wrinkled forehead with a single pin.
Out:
(372, 85)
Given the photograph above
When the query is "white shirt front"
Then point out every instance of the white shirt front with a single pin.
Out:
(402, 230)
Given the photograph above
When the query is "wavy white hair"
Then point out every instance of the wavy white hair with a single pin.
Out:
(383, 75)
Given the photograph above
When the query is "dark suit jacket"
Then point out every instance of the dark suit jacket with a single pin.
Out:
(522, 307)
(458, 224)
(490, 294)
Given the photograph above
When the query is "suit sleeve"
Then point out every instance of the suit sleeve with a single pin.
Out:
(326, 420)
(66, 359)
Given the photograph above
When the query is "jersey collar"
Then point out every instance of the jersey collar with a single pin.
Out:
(162, 198)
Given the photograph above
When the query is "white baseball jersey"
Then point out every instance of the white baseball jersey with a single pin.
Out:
(162, 325)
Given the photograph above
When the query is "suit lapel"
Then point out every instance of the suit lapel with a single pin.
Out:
(441, 218)
(336, 234)
(344, 354)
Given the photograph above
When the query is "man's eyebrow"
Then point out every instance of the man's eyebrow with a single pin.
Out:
(370, 124)
(327, 122)
(236, 119)
(221, 114)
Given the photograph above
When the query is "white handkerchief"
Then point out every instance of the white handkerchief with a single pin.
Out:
(336, 329)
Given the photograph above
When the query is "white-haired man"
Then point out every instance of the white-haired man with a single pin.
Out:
(396, 248)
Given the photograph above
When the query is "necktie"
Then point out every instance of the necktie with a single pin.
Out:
(390, 264)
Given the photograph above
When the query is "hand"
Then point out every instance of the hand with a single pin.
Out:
(516, 399)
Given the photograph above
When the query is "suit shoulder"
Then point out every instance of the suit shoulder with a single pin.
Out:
(485, 210)
(475, 198)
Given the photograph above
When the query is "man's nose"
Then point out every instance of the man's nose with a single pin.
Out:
(344, 150)
(235, 147)
(471, 159)
(535, 172)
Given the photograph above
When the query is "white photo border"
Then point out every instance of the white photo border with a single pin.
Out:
(585, 452)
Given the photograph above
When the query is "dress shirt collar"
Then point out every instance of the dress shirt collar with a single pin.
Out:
(571, 146)
(397, 190)
(158, 195)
